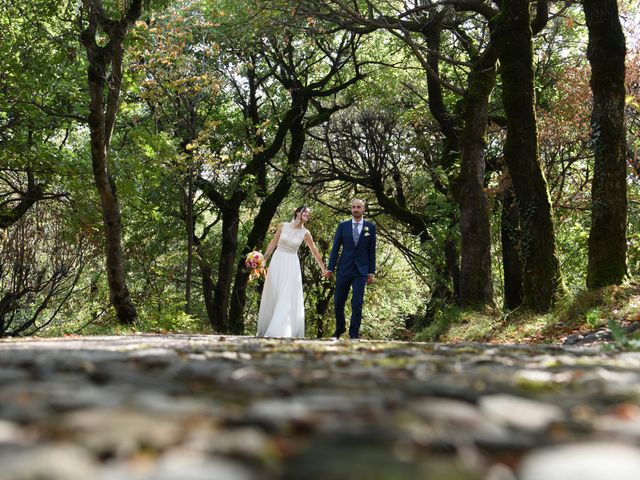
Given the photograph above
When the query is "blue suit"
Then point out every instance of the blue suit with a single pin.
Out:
(355, 263)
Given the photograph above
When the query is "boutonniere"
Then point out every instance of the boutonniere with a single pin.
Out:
(366, 231)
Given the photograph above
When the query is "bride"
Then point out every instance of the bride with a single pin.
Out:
(282, 305)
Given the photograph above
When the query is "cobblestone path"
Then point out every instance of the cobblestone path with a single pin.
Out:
(179, 407)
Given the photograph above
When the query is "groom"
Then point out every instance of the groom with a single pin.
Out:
(356, 267)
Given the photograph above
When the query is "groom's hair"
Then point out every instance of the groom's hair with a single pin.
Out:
(359, 200)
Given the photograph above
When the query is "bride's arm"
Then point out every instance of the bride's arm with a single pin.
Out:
(272, 244)
(314, 251)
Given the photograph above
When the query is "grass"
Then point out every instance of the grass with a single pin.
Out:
(175, 322)
(582, 312)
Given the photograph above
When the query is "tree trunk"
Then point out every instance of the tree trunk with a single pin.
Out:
(452, 263)
(606, 53)
(322, 305)
(511, 252)
(291, 122)
(542, 279)
(221, 293)
(119, 293)
(102, 115)
(476, 287)
(190, 235)
(437, 105)
(206, 276)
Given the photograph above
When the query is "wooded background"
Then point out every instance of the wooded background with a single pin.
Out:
(146, 146)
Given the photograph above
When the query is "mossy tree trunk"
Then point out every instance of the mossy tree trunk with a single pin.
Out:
(510, 236)
(476, 287)
(542, 278)
(606, 53)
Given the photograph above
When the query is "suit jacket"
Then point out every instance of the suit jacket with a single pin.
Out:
(362, 255)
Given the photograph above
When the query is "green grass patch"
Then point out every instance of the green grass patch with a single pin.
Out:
(581, 312)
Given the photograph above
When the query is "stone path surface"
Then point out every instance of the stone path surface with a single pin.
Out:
(179, 407)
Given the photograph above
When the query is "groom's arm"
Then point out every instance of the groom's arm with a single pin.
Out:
(333, 258)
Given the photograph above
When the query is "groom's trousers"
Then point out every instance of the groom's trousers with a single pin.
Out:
(356, 282)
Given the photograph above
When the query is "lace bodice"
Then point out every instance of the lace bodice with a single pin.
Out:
(290, 238)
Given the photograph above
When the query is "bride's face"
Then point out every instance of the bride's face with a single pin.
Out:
(305, 215)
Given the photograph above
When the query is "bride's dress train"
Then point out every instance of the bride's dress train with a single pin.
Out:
(282, 304)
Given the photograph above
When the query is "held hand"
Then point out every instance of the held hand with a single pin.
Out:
(326, 273)
(370, 279)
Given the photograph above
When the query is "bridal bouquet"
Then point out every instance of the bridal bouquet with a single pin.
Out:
(255, 263)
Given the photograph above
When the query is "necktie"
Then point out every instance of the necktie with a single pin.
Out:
(356, 234)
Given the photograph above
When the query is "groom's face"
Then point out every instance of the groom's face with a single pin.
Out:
(357, 210)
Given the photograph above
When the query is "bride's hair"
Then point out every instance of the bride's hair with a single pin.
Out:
(298, 210)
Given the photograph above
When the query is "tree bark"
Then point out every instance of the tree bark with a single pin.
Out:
(606, 53)
(206, 275)
(542, 279)
(105, 72)
(476, 285)
(190, 223)
(510, 235)
(446, 121)
(222, 290)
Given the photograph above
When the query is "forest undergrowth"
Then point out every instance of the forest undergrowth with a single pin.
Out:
(582, 312)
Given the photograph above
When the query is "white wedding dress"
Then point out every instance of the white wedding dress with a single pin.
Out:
(282, 305)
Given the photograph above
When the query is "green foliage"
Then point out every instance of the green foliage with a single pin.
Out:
(593, 318)
(172, 320)
(622, 339)
(633, 231)
(395, 297)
